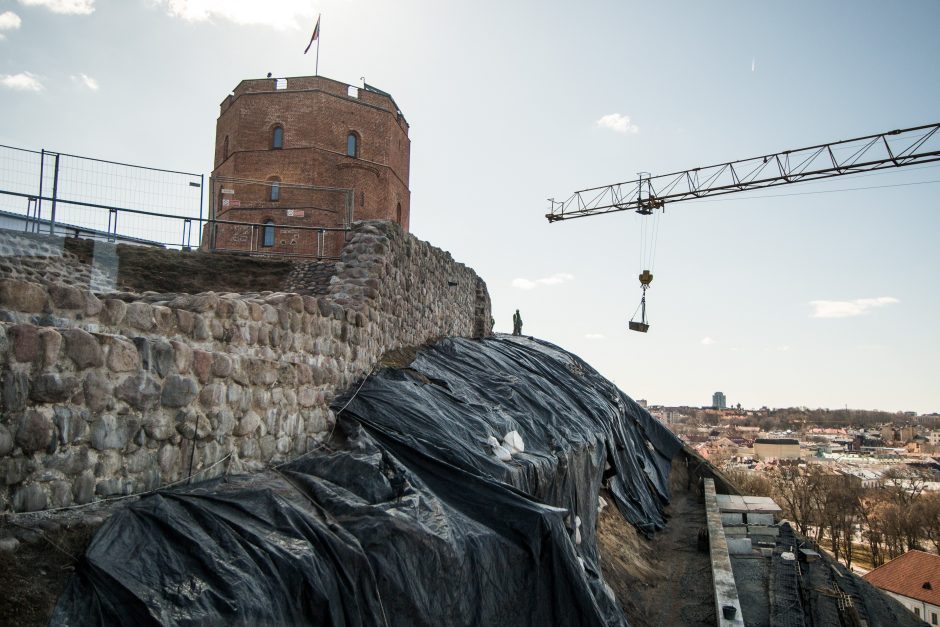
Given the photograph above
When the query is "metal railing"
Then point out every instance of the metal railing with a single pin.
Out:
(48, 188)
(67, 195)
(318, 244)
(277, 218)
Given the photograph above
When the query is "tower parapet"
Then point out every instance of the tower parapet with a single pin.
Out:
(286, 147)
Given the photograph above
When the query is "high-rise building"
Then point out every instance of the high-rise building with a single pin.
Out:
(719, 401)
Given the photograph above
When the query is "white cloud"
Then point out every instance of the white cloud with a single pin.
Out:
(9, 21)
(619, 123)
(707, 341)
(783, 348)
(86, 81)
(274, 13)
(555, 279)
(849, 308)
(66, 7)
(595, 336)
(24, 81)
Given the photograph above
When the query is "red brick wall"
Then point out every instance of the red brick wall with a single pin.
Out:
(316, 115)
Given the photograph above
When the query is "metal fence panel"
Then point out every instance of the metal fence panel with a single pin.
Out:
(70, 195)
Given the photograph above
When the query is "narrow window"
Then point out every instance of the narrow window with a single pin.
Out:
(362, 199)
(275, 190)
(225, 149)
(277, 140)
(398, 214)
(352, 145)
(267, 233)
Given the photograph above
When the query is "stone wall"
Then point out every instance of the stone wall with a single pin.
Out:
(113, 394)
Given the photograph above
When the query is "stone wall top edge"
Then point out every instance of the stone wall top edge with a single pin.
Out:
(200, 302)
(301, 84)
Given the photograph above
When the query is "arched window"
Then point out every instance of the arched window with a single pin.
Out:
(275, 190)
(267, 233)
(352, 145)
(277, 137)
(225, 148)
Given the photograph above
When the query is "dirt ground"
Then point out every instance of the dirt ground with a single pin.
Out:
(141, 268)
(665, 580)
(193, 272)
(34, 577)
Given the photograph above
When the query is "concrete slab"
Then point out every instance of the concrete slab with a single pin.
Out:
(739, 546)
(736, 531)
(761, 504)
(763, 530)
(757, 518)
(732, 518)
(730, 503)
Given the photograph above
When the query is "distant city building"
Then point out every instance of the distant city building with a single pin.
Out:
(776, 448)
(719, 401)
(642, 403)
(914, 580)
(928, 419)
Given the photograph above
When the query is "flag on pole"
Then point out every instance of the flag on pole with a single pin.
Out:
(315, 36)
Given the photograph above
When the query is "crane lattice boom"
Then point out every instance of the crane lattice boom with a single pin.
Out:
(898, 148)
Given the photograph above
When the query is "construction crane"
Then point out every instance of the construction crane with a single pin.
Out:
(648, 194)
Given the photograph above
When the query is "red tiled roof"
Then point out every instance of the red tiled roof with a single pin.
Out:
(907, 575)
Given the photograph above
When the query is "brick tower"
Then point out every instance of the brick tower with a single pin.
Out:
(306, 152)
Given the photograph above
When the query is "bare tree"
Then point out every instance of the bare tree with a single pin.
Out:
(926, 513)
(794, 489)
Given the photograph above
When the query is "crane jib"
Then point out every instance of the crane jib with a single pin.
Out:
(893, 149)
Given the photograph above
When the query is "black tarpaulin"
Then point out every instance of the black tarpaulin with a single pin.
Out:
(406, 517)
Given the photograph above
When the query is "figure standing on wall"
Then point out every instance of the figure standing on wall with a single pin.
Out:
(516, 323)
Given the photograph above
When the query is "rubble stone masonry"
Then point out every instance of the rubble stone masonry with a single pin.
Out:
(114, 394)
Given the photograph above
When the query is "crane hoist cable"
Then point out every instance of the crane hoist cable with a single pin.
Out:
(650, 214)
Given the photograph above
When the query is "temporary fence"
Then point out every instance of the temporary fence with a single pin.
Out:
(68, 195)
(57, 193)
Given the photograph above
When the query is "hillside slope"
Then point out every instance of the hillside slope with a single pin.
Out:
(406, 516)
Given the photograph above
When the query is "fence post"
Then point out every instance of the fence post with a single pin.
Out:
(42, 164)
(112, 213)
(213, 227)
(202, 190)
(55, 189)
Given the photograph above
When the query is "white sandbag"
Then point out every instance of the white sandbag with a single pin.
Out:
(503, 453)
(514, 441)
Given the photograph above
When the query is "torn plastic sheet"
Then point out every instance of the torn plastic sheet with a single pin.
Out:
(407, 518)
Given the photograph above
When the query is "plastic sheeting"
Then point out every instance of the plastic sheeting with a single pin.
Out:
(407, 517)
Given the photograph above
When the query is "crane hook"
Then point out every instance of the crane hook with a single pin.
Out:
(646, 277)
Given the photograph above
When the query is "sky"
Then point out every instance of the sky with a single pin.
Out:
(819, 294)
